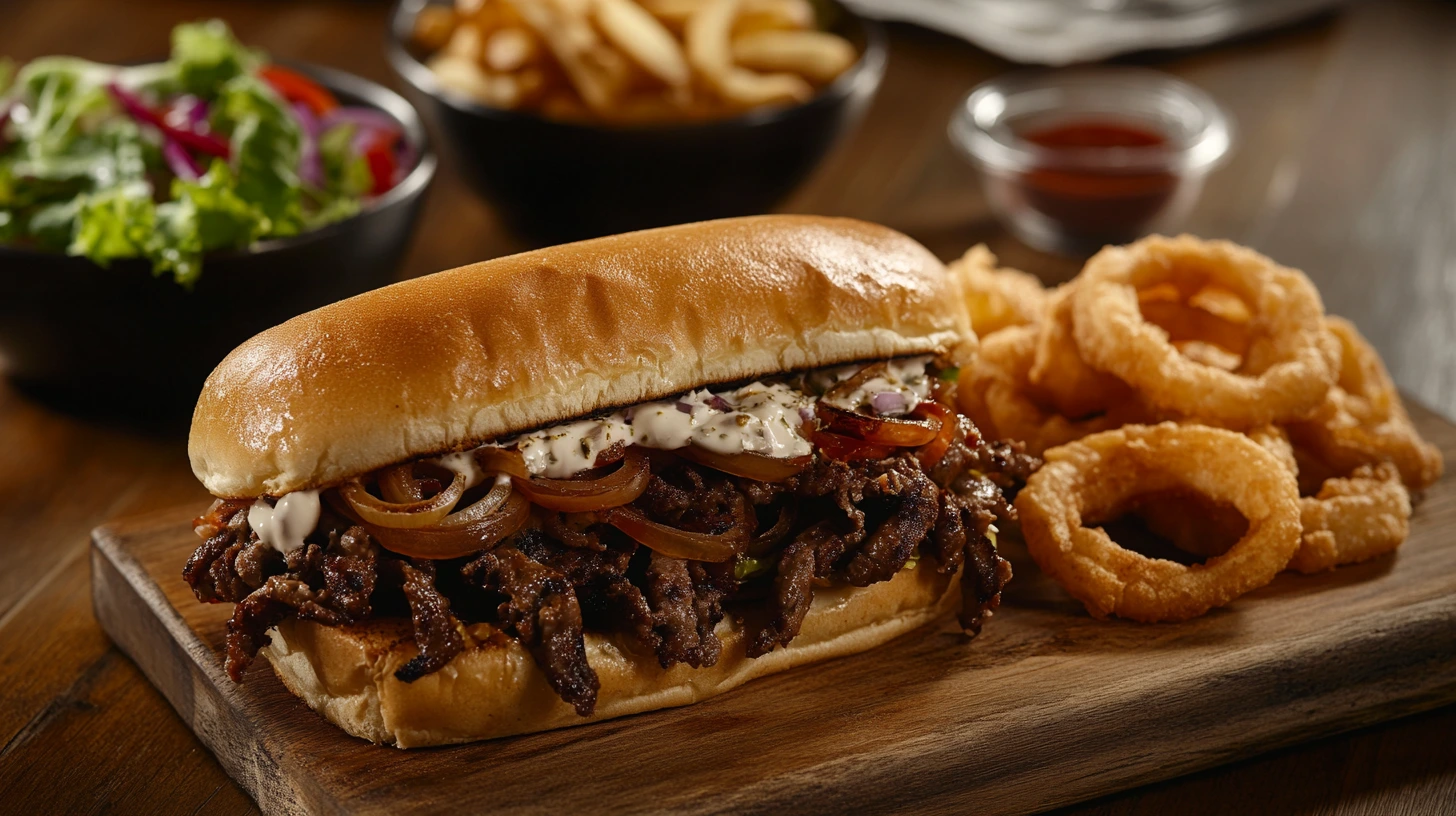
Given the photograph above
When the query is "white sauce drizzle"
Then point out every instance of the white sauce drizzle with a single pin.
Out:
(284, 525)
(462, 462)
(907, 378)
(757, 418)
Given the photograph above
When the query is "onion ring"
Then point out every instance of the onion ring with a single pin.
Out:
(1074, 388)
(1102, 472)
(1353, 519)
(1291, 363)
(995, 393)
(998, 298)
(1362, 420)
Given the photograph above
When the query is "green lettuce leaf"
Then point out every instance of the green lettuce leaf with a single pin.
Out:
(207, 55)
(345, 171)
(114, 223)
(203, 216)
(265, 142)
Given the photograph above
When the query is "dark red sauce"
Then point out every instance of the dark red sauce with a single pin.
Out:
(1092, 202)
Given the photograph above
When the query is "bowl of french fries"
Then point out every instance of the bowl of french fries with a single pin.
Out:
(578, 118)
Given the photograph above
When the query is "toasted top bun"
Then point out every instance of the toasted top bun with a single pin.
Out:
(458, 358)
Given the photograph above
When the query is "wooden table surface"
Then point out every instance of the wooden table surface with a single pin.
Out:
(1346, 168)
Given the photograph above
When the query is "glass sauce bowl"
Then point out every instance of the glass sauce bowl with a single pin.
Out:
(1073, 160)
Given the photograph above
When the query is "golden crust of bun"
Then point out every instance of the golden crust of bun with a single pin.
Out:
(494, 689)
(455, 359)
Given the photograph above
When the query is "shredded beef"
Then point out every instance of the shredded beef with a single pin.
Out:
(542, 612)
(436, 636)
(894, 541)
(349, 571)
(860, 522)
(265, 608)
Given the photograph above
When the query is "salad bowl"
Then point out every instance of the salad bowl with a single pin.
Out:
(126, 338)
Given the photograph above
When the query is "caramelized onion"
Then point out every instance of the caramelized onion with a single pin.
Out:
(487, 504)
(900, 433)
(398, 484)
(934, 450)
(617, 488)
(846, 387)
(676, 543)
(404, 515)
(500, 460)
(847, 448)
(773, 536)
(459, 539)
(748, 464)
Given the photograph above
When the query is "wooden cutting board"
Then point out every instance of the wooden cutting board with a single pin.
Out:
(1045, 708)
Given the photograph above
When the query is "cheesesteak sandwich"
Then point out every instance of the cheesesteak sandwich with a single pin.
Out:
(599, 479)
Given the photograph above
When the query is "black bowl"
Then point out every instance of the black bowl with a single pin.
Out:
(556, 181)
(120, 341)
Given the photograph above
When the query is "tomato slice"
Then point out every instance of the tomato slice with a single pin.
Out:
(296, 87)
(380, 157)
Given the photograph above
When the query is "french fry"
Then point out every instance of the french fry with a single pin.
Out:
(710, 53)
(644, 40)
(510, 49)
(815, 55)
(465, 77)
(754, 15)
(433, 27)
(774, 15)
(597, 72)
(747, 89)
(464, 44)
(705, 36)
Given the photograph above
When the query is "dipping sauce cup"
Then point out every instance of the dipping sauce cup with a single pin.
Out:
(1073, 160)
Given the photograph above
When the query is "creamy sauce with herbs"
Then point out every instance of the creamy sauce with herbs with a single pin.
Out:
(284, 525)
(757, 418)
(462, 462)
(902, 386)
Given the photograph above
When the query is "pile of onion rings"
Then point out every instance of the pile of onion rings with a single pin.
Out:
(1204, 334)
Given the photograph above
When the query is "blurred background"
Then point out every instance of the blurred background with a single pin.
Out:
(1336, 115)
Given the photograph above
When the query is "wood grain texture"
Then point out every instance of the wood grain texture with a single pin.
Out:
(1343, 169)
(1019, 720)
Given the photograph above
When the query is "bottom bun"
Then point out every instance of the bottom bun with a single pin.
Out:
(494, 689)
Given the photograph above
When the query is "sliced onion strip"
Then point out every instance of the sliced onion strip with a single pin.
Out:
(404, 515)
(900, 433)
(621, 486)
(847, 448)
(456, 540)
(676, 543)
(773, 536)
(934, 450)
(748, 464)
